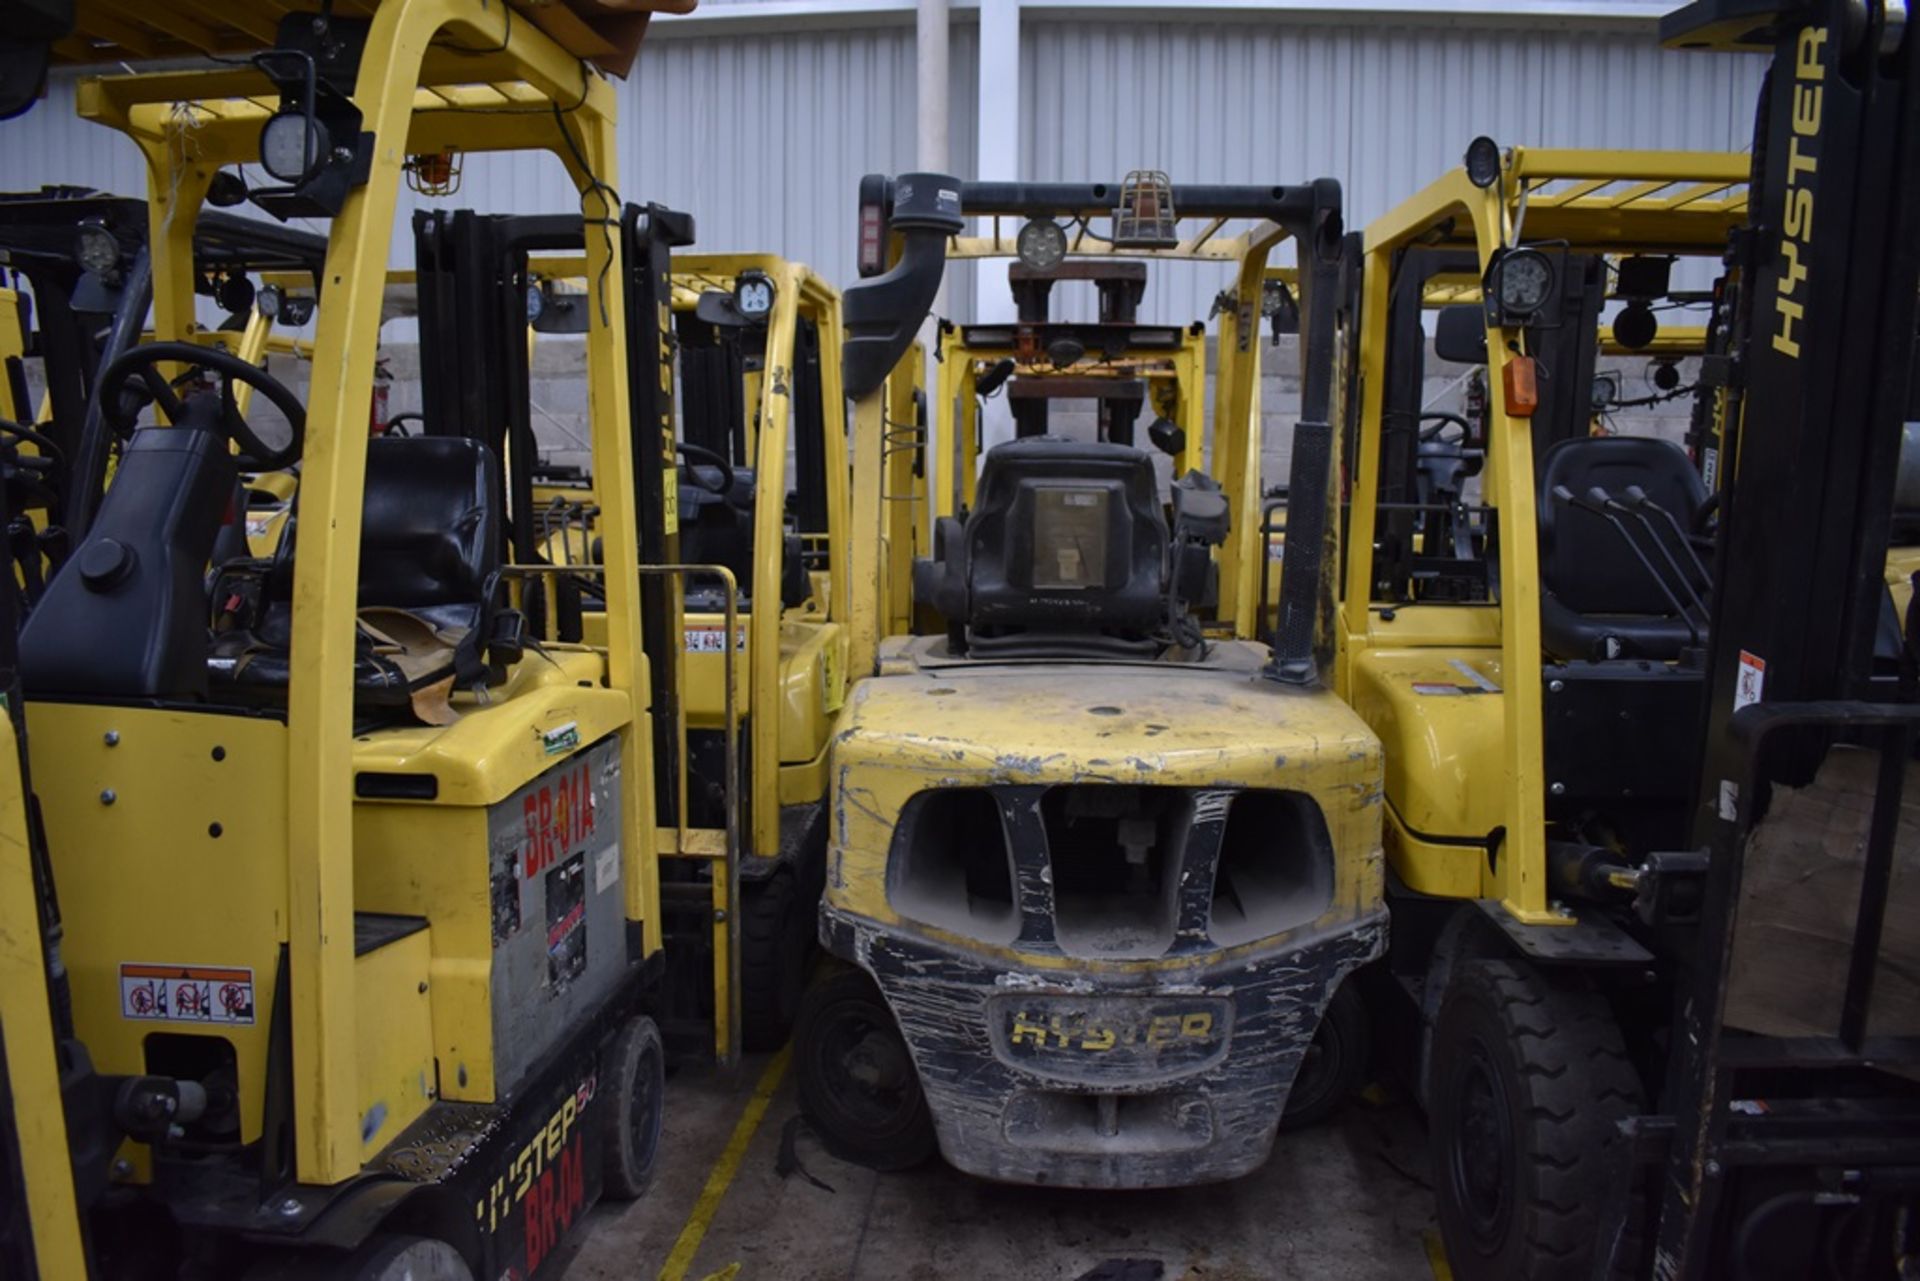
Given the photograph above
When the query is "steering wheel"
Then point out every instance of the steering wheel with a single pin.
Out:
(701, 454)
(1442, 420)
(143, 363)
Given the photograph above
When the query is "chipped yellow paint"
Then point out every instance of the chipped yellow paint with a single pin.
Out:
(937, 722)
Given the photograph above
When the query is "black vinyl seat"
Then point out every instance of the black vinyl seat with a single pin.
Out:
(429, 582)
(717, 529)
(1597, 599)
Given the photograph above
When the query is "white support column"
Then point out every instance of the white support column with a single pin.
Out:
(997, 136)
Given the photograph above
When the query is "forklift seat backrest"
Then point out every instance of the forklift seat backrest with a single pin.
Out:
(429, 535)
(430, 549)
(1067, 540)
(1597, 598)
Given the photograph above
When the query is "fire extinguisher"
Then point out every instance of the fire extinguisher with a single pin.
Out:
(382, 380)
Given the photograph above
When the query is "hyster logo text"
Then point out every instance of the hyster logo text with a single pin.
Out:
(1796, 223)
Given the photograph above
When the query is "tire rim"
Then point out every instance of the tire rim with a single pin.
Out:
(1480, 1149)
(643, 1121)
(863, 1068)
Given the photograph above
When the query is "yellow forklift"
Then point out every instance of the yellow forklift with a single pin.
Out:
(760, 523)
(1571, 643)
(763, 492)
(1121, 366)
(1521, 624)
(1094, 880)
(357, 893)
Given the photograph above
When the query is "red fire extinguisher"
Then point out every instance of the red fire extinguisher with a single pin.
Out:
(382, 380)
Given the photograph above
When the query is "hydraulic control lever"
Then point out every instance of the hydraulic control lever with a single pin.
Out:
(1637, 497)
(1653, 535)
(1598, 507)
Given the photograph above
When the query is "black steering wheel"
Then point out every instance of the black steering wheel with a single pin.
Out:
(1442, 420)
(143, 363)
(701, 454)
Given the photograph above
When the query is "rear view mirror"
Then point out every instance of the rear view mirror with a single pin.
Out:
(1460, 335)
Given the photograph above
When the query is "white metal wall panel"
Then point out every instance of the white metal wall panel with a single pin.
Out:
(1385, 109)
(764, 138)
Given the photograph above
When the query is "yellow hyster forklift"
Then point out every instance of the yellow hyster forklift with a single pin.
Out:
(354, 892)
(763, 494)
(1093, 877)
(1597, 674)
(752, 354)
(1121, 366)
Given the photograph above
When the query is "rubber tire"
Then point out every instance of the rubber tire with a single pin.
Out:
(776, 946)
(837, 993)
(1558, 1081)
(635, 1067)
(1341, 1066)
(384, 1257)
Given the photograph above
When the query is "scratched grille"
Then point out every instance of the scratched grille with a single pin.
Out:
(1111, 870)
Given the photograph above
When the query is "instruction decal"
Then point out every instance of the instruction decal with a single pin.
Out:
(186, 994)
(1747, 686)
(710, 640)
(567, 921)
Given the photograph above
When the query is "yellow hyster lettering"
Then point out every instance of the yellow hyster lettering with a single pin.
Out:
(1789, 306)
(1025, 1029)
(1098, 1039)
(1799, 216)
(1196, 1026)
(1806, 110)
(1163, 1028)
(1812, 41)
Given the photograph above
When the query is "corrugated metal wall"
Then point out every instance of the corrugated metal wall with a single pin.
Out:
(764, 137)
(1384, 109)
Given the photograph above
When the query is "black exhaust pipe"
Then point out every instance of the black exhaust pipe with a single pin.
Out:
(883, 313)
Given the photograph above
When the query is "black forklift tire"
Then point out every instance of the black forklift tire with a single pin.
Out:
(885, 1129)
(1529, 1080)
(636, 1071)
(776, 944)
(1336, 1064)
(385, 1257)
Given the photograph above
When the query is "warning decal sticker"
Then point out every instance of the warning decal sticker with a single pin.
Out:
(186, 993)
(1751, 680)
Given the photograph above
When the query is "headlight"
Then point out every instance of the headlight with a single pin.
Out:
(753, 295)
(95, 249)
(292, 145)
(536, 303)
(268, 300)
(1523, 279)
(1483, 161)
(1042, 244)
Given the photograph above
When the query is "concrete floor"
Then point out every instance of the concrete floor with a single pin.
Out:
(1347, 1199)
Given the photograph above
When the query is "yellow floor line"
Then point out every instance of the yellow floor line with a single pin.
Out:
(1437, 1257)
(721, 1176)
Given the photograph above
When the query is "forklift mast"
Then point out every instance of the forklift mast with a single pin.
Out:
(1768, 1135)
